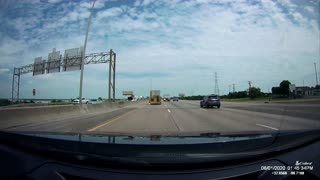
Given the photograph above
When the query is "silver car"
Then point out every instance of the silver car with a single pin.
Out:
(210, 101)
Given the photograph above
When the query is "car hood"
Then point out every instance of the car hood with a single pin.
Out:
(157, 149)
(114, 138)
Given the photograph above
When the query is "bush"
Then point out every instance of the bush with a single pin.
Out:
(254, 92)
(53, 101)
(4, 102)
(199, 97)
(239, 94)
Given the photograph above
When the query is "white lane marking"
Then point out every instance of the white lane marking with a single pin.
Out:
(203, 110)
(267, 126)
(169, 110)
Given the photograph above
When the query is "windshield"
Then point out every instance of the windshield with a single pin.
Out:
(152, 68)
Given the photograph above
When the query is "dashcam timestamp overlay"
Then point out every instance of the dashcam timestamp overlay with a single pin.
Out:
(298, 168)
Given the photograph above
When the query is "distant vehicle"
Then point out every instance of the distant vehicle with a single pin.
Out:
(166, 99)
(95, 101)
(175, 99)
(155, 97)
(84, 101)
(210, 101)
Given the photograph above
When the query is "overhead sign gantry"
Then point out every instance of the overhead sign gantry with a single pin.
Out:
(71, 61)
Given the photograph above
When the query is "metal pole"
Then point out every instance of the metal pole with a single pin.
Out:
(249, 82)
(12, 92)
(18, 93)
(83, 54)
(114, 77)
(315, 69)
(110, 64)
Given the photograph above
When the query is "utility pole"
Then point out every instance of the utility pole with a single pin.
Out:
(315, 69)
(229, 88)
(216, 87)
(84, 53)
(234, 88)
(249, 82)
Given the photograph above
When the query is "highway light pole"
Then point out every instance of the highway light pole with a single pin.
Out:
(84, 53)
(315, 69)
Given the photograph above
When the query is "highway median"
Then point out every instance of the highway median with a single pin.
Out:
(17, 116)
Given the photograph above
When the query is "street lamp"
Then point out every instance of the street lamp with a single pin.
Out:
(84, 53)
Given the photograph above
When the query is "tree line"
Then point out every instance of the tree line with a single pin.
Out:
(252, 93)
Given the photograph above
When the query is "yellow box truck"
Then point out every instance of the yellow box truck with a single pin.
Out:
(155, 98)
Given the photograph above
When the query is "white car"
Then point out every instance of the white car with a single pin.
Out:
(95, 101)
(84, 101)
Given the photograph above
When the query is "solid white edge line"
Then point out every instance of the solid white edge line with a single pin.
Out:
(267, 126)
(169, 110)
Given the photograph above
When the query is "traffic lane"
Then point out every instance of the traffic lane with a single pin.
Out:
(192, 118)
(179, 118)
(307, 111)
(281, 121)
(271, 121)
(312, 107)
(150, 119)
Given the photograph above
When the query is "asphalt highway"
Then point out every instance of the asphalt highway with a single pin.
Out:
(187, 117)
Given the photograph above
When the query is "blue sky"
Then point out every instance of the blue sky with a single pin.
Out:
(177, 45)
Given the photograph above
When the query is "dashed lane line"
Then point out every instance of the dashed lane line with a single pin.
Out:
(267, 126)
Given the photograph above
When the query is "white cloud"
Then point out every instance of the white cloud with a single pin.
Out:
(115, 11)
(98, 4)
(4, 71)
(12, 47)
(147, 2)
(309, 9)
(54, 1)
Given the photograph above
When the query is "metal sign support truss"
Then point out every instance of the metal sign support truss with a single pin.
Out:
(93, 58)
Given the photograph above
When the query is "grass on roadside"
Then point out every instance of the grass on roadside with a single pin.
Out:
(246, 99)
(59, 103)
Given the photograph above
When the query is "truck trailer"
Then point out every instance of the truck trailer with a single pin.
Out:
(155, 98)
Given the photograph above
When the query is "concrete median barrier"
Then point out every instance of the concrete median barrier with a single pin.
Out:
(18, 116)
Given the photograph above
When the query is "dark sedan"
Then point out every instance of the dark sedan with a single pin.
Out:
(210, 101)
